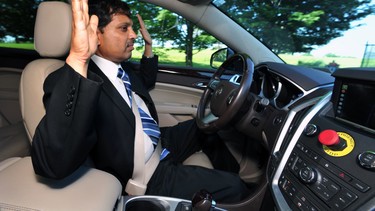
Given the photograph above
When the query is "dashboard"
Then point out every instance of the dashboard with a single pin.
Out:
(324, 156)
(277, 89)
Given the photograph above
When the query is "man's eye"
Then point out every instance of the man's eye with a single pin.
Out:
(124, 28)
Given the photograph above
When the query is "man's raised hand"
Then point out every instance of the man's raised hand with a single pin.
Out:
(84, 38)
(146, 37)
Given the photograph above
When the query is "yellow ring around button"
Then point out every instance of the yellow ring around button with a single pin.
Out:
(350, 143)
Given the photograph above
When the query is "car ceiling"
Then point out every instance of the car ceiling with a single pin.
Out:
(196, 2)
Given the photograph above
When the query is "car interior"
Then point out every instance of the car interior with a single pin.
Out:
(309, 137)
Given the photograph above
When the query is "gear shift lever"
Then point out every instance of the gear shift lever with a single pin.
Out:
(202, 201)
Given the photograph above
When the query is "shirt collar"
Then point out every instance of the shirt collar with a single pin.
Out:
(109, 68)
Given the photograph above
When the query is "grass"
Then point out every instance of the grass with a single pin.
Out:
(320, 61)
(202, 59)
(29, 46)
(174, 56)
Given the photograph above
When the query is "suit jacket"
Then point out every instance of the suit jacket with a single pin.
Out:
(89, 118)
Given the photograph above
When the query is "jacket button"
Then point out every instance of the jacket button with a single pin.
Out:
(67, 112)
(72, 90)
(69, 105)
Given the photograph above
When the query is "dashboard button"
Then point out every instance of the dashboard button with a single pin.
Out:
(331, 186)
(329, 137)
(310, 130)
(367, 160)
(322, 191)
(360, 185)
(336, 171)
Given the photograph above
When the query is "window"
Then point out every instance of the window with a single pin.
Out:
(176, 41)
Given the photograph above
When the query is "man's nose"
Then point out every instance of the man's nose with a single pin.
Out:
(132, 34)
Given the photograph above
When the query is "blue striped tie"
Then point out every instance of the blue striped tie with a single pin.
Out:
(150, 127)
(128, 86)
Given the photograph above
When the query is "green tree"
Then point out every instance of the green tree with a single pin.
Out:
(17, 19)
(309, 23)
(169, 28)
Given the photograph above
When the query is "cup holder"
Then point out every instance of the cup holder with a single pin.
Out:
(144, 204)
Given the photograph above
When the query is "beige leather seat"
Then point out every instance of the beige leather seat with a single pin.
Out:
(51, 40)
(20, 188)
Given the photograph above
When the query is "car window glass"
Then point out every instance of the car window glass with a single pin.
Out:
(176, 41)
(319, 34)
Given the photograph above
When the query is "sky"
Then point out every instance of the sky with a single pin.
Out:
(353, 42)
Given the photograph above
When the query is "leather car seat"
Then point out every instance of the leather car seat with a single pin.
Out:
(20, 188)
(51, 40)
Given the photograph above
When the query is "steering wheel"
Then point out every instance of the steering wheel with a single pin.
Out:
(224, 97)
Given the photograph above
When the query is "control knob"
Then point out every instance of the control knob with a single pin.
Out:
(308, 175)
(202, 201)
(367, 160)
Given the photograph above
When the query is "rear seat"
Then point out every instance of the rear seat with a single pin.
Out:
(20, 188)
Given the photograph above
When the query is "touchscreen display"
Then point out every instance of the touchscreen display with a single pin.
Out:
(356, 103)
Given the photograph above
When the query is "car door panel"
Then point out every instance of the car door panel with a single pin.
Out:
(175, 103)
(12, 62)
(9, 104)
(177, 94)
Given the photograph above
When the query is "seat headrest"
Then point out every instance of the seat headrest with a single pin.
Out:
(53, 26)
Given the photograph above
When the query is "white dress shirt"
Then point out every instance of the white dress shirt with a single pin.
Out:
(110, 69)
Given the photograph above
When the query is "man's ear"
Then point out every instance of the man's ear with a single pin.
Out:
(99, 34)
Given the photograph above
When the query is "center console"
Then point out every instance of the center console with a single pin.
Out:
(326, 160)
(202, 200)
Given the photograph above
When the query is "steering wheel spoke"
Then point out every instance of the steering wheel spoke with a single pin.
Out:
(210, 117)
(214, 82)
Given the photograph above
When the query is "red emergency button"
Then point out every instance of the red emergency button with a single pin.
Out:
(329, 138)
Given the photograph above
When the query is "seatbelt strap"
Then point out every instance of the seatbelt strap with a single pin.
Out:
(142, 171)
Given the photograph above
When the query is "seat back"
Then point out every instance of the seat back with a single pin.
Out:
(52, 36)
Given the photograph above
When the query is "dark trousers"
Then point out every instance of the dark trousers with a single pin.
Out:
(173, 179)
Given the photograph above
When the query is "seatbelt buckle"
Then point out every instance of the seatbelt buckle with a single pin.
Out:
(135, 188)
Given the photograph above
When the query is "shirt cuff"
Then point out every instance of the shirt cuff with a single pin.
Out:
(148, 57)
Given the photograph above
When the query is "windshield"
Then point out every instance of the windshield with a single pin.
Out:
(325, 34)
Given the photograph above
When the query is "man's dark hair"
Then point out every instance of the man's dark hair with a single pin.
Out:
(105, 9)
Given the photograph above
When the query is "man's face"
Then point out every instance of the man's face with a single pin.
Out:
(116, 43)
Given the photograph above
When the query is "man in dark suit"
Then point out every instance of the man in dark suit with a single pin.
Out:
(89, 114)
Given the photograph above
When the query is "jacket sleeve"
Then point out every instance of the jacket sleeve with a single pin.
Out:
(148, 71)
(65, 135)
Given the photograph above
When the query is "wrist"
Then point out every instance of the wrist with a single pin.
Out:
(78, 65)
(148, 56)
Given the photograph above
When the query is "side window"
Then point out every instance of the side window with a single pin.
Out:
(17, 31)
(176, 41)
(17, 23)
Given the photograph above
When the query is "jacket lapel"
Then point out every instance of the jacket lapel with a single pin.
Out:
(113, 94)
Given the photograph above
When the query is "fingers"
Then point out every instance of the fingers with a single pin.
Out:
(141, 22)
(84, 38)
(80, 13)
(143, 30)
(94, 21)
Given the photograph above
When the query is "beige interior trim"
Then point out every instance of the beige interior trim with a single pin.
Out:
(7, 162)
(31, 91)
(86, 189)
(175, 103)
